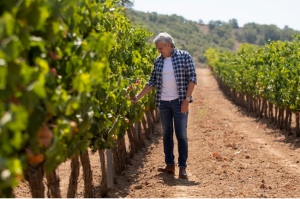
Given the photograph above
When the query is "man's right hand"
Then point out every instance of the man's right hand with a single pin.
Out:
(134, 100)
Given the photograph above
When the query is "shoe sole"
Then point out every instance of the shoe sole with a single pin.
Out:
(164, 171)
(183, 177)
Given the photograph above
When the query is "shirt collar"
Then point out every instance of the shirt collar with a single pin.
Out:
(173, 54)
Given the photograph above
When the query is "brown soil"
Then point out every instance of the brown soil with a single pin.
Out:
(230, 155)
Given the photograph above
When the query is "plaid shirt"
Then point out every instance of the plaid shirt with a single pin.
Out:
(184, 71)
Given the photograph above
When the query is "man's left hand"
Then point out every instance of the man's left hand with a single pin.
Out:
(184, 106)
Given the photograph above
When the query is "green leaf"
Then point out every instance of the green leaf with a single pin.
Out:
(3, 73)
(82, 83)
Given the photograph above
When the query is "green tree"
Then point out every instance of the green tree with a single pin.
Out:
(201, 22)
(287, 33)
(272, 32)
(250, 35)
(211, 25)
(153, 16)
(234, 23)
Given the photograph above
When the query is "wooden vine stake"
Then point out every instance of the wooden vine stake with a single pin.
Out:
(110, 174)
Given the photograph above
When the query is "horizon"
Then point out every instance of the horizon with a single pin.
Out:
(277, 13)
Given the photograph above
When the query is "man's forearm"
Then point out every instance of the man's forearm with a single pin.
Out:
(145, 91)
(190, 89)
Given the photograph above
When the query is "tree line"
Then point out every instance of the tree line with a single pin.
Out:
(196, 37)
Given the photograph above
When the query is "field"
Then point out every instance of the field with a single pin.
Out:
(230, 155)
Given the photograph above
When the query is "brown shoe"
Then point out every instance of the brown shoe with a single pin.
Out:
(170, 169)
(182, 173)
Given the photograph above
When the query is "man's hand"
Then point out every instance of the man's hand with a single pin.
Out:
(145, 90)
(134, 100)
(184, 106)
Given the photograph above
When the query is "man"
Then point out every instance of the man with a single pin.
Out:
(174, 77)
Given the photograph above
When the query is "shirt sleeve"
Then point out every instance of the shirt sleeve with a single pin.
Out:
(152, 80)
(191, 70)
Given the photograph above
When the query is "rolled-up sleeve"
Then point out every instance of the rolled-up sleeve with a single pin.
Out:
(191, 69)
(152, 80)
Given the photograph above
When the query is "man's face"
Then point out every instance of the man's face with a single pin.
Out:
(165, 50)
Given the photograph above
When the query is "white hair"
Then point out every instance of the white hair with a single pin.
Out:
(165, 38)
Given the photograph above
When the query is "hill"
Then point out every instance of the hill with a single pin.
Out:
(196, 37)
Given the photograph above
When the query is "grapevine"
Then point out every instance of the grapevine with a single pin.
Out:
(65, 70)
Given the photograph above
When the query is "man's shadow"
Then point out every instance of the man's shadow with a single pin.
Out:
(171, 180)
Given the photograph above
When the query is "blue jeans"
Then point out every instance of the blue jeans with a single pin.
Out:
(171, 116)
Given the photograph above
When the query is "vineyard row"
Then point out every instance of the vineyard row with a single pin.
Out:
(265, 80)
(68, 70)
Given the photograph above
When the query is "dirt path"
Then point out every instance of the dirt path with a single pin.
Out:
(230, 155)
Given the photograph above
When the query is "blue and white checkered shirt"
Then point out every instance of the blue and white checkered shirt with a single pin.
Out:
(184, 71)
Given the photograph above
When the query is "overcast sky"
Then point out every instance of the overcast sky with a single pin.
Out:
(277, 12)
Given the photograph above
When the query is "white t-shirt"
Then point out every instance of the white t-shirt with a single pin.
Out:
(169, 86)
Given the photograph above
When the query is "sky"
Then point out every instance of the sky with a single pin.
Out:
(278, 12)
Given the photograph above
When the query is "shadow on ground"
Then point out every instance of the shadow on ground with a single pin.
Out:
(128, 177)
(173, 181)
